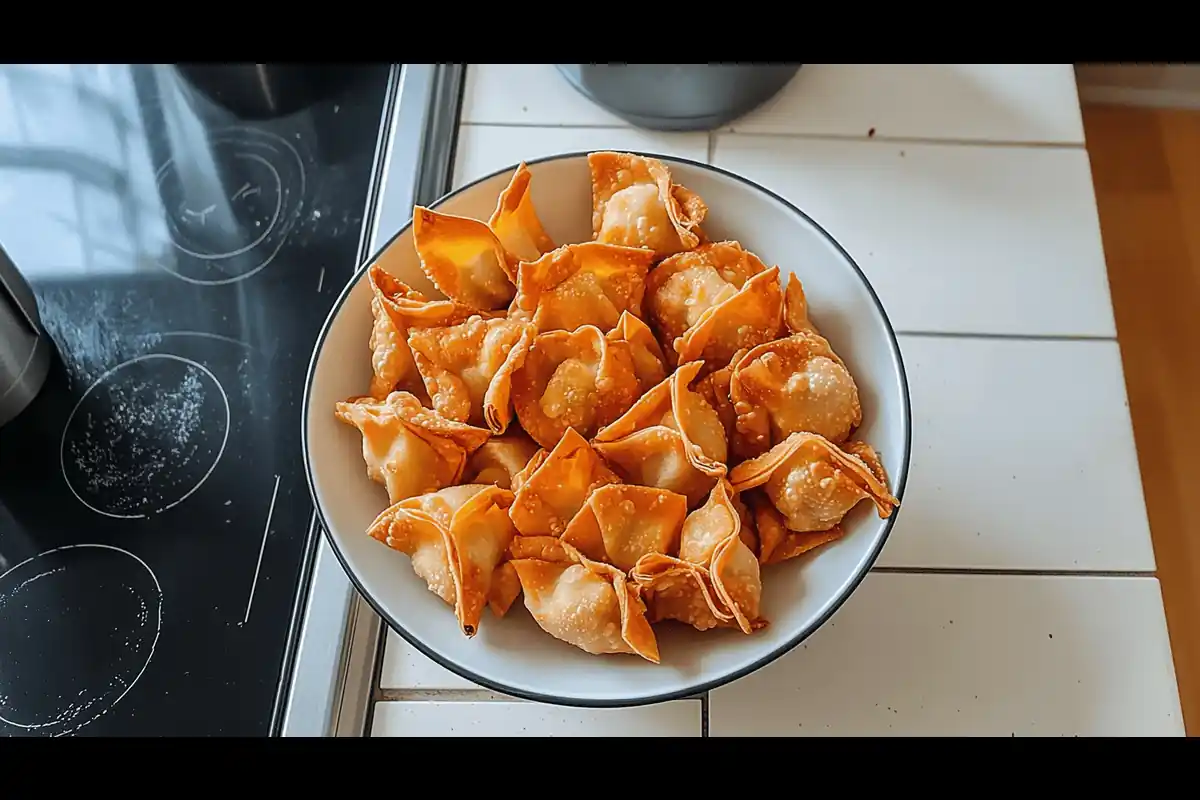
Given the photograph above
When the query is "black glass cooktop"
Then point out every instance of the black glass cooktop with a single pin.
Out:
(154, 516)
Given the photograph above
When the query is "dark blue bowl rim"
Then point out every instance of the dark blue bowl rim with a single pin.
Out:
(688, 691)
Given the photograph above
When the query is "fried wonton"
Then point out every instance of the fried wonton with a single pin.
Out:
(555, 485)
(506, 588)
(408, 448)
(581, 284)
(396, 309)
(714, 387)
(791, 385)
(648, 361)
(715, 581)
(775, 542)
(580, 601)
(456, 538)
(574, 379)
(536, 460)
(620, 523)
(468, 368)
(634, 203)
(464, 259)
(813, 483)
(500, 459)
(681, 288)
(515, 221)
(670, 439)
(795, 307)
(751, 316)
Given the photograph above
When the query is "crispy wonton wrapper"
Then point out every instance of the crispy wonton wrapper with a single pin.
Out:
(581, 284)
(620, 523)
(714, 387)
(464, 259)
(775, 542)
(715, 581)
(751, 316)
(795, 308)
(634, 203)
(408, 448)
(681, 288)
(515, 221)
(813, 483)
(456, 539)
(554, 486)
(501, 459)
(671, 439)
(396, 309)
(468, 368)
(648, 362)
(580, 601)
(574, 380)
(795, 384)
(506, 588)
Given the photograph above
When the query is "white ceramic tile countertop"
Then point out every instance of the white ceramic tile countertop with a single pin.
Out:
(1017, 592)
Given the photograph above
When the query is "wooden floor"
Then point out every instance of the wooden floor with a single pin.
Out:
(1146, 168)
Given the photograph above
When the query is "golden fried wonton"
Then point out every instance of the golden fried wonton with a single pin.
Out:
(464, 259)
(500, 459)
(751, 316)
(620, 523)
(506, 587)
(715, 581)
(791, 385)
(634, 203)
(813, 483)
(468, 368)
(456, 538)
(396, 309)
(515, 221)
(574, 380)
(681, 288)
(580, 601)
(581, 284)
(648, 361)
(554, 486)
(670, 439)
(408, 448)
(775, 542)
(795, 307)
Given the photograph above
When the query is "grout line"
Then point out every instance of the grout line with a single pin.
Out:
(918, 140)
(445, 696)
(830, 137)
(712, 147)
(1027, 337)
(704, 715)
(1009, 572)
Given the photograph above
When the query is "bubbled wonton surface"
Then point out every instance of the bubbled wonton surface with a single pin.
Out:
(622, 433)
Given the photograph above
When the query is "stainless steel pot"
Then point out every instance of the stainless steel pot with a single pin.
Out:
(25, 349)
(678, 97)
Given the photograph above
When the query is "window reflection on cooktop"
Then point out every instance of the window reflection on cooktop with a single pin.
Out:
(154, 515)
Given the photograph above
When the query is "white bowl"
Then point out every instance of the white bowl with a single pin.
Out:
(513, 655)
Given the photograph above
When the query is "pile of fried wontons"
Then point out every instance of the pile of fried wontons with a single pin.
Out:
(679, 419)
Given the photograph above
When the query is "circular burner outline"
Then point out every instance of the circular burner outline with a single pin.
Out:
(149, 656)
(173, 224)
(231, 136)
(62, 446)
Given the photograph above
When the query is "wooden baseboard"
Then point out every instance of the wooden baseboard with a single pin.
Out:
(1145, 85)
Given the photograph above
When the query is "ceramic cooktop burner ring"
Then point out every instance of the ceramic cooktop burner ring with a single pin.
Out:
(143, 437)
(98, 610)
(223, 234)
